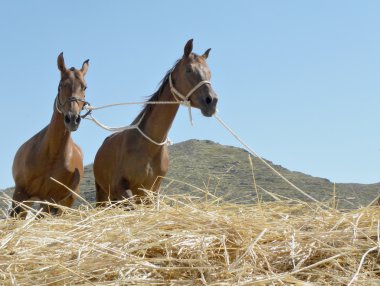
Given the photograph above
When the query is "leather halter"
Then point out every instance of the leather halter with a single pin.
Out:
(59, 105)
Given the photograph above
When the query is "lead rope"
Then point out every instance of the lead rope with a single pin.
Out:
(90, 108)
(176, 94)
(129, 127)
(262, 160)
(89, 116)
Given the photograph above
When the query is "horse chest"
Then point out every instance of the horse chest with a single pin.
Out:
(64, 169)
(43, 181)
(60, 167)
(144, 171)
(147, 169)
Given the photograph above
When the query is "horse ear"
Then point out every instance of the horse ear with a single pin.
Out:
(84, 68)
(188, 48)
(61, 63)
(205, 55)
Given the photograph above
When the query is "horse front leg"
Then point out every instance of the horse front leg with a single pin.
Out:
(66, 202)
(124, 193)
(102, 196)
(53, 207)
(127, 198)
(19, 204)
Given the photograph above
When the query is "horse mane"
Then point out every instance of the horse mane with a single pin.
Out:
(155, 96)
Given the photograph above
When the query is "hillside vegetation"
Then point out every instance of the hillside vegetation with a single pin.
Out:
(197, 166)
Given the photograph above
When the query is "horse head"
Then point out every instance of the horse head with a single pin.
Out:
(190, 81)
(70, 100)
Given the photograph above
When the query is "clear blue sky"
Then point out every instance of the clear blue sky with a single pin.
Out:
(298, 80)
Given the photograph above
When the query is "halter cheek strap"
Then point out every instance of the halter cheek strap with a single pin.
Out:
(56, 104)
(185, 99)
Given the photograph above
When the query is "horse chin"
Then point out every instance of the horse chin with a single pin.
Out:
(71, 127)
(208, 112)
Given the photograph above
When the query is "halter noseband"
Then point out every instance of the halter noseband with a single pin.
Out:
(184, 99)
(59, 105)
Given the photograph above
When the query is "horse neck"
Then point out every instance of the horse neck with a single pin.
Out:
(157, 122)
(57, 136)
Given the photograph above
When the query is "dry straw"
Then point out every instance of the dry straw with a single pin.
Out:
(184, 240)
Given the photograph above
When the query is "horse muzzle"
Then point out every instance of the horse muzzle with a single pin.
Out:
(72, 121)
(208, 106)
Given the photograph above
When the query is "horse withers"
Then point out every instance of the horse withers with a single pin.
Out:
(52, 152)
(134, 160)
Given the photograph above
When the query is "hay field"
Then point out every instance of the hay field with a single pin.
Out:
(185, 240)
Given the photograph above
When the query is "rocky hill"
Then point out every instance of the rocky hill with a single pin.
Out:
(197, 166)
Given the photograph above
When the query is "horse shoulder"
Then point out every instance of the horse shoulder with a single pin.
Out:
(27, 156)
(157, 164)
(164, 160)
(77, 150)
(74, 160)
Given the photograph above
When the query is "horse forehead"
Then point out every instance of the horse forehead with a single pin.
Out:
(74, 75)
(200, 61)
(201, 65)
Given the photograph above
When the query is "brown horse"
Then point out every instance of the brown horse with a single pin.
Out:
(132, 160)
(52, 152)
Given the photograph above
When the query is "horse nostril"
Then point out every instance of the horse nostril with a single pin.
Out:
(77, 120)
(67, 119)
(208, 100)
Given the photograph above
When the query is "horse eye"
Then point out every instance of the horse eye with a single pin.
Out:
(84, 88)
(188, 70)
